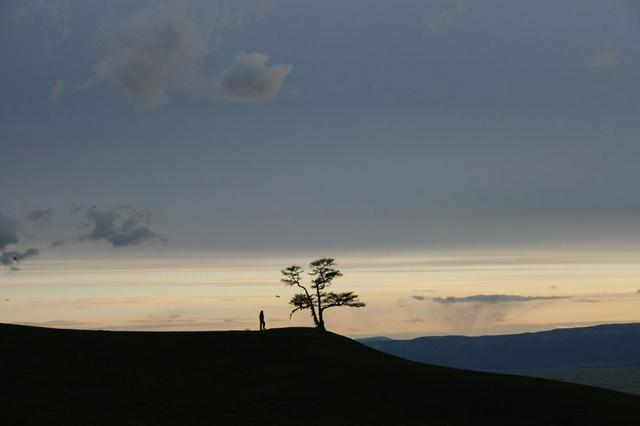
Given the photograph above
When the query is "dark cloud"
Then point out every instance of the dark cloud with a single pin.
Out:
(249, 79)
(420, 297)
(41, 215)
(9, 235)
(120, 226)
(491, 299)
(13, 258)
(58, 243)
(8, 231)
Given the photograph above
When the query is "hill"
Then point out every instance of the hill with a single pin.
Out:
(605, 355)
(282, 376)
(614, 345)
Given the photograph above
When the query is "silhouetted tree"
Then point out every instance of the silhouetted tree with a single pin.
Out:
(316, 298)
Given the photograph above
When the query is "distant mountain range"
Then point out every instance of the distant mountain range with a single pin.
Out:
(616, 345)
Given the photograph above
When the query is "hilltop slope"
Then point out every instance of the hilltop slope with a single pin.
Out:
(283, 376)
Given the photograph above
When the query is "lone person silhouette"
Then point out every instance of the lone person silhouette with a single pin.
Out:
(263, 325)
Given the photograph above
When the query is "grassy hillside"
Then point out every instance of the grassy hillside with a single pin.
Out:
(284, 376)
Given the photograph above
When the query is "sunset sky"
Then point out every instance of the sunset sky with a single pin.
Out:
(473, 166)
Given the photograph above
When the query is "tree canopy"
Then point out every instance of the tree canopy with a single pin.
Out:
(316, 298)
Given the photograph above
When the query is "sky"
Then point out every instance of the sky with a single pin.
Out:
(471, 164)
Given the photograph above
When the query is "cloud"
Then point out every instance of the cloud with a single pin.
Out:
(120, 226)
(491, 299)
(13, 258)
(293, 92)
(9, 235)
(496, 317)
(603, 59)
(56, 27)
(421, 298)
(585, 300)
(435, 22)
(8, 231)
(58, 243)
(249, 79)
(156, 50)
(41, 215)
(57, 90)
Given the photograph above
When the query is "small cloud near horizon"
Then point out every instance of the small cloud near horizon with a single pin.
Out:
(8, 236)
(13, 258)
(585, 300)
(490, 299)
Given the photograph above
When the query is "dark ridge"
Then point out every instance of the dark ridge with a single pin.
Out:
(290, 376)
(612, 345)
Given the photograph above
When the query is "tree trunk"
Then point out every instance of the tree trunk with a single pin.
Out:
(320, 318)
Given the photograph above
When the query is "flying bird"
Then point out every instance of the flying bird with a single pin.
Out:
(277, 295)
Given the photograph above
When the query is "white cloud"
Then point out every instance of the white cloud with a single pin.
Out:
(155, 51)
(57, 27)
(435, 22)
(249, 79)
(57, 90)
(603, 59)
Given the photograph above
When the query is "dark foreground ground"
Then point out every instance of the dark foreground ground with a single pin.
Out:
(285, 376)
